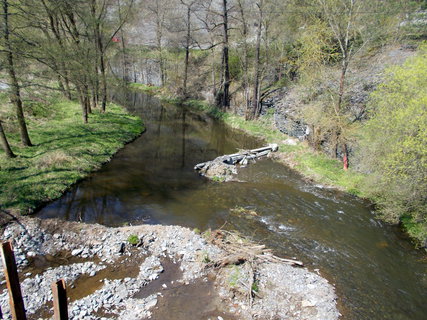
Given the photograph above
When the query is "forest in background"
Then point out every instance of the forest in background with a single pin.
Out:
(237, 54)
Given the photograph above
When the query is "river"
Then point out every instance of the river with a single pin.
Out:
(376, 271)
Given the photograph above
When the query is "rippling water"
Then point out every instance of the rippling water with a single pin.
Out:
(377, 273)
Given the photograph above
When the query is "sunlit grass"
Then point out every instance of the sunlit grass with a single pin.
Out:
(65, 150)
(311, 164)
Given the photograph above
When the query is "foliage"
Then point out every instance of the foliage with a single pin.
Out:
(255, 286)
(218, 179)
(234, 277)
(65, 151)
(314, 165)
(315, 48)
(212, 110)
(133, 239)
(205, 257)
(394, 145)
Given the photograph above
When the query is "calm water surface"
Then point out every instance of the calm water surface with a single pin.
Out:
(378, 275)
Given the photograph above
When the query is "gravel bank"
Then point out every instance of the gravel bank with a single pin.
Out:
(107, 276)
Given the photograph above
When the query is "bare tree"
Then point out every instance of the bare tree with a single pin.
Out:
(245, 59)
(189, 8)
(223, 98)
(15, 89)
(344, 28)
(158, 8)
(257, 64)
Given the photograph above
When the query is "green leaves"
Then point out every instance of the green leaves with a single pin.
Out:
(394, 144)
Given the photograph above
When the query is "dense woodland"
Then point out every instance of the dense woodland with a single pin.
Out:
(236, 54)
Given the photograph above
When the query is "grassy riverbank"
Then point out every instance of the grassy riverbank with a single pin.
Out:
(313, 165)
(65, 151)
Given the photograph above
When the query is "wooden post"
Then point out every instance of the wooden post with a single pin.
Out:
(60, 307)
(17, 308)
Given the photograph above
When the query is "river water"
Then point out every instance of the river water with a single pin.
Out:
(377, 273)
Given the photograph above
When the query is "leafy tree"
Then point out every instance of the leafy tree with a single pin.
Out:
(394, 144)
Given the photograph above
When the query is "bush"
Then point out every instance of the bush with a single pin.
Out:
(394, 145)
(133, 239)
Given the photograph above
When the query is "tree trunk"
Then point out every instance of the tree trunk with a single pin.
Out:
(225, 90)
(187, 52)
(255, 98)
(345, 158)
(245, 60)
(5, 143)
(83, 103)
(15, 95)
(101, 60)
(159, 35)
(124, 56)
(344, 68)
(67, 84)
(103, 82)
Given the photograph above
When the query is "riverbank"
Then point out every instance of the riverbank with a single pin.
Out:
(313, 165)
(65, 151)
(294, 153)
(143, 271)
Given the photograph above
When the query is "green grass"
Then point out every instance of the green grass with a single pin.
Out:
(145, 88)
(65, 151)
(416, 229)
(309, 163)
(211, 110)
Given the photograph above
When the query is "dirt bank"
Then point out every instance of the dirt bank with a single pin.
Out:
(169, 272)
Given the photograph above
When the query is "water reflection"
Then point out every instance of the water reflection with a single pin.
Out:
(378, 275)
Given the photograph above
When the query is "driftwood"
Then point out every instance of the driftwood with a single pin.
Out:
(239, 250)
(242, 157)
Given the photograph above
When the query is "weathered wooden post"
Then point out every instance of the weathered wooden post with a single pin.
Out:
(60, 307)
(17, 308)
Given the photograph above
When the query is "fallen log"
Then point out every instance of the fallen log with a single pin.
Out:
(241, 157)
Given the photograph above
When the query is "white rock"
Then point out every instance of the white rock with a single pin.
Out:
(307, 303)
(76, 252)
(290, 142)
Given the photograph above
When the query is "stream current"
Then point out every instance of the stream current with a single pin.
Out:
(376, 271)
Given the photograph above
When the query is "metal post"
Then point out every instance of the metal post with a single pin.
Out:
(12, 280)
(60, 307)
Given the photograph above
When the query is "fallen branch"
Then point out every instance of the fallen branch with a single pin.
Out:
(238, 250)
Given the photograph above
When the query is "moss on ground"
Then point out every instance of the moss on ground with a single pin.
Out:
(65, 151)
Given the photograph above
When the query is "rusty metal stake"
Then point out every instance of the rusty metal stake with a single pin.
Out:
(12, 280)
(60, 307)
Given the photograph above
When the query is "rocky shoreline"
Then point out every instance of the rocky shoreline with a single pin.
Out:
(131, 272)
